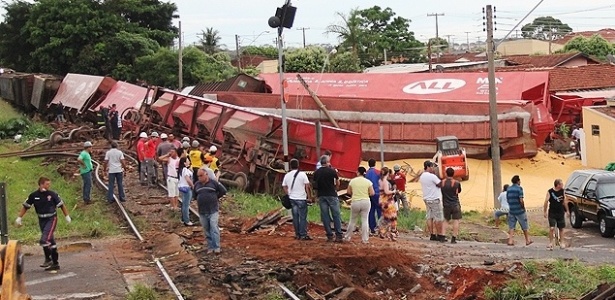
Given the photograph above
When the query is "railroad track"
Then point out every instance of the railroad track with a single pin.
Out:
(70, 152)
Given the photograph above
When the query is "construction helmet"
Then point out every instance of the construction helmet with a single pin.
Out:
(396, 168)
(143, 135)
(185, 145)
(195, 143)
(154, 134)
(213, 148)
(186, 139)
(163, 136)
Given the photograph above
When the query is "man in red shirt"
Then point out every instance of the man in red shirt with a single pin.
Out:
(141, 156)
(150, 159)
(400, 183)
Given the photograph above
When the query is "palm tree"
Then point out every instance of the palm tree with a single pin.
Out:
(348, 31)
(210, 40)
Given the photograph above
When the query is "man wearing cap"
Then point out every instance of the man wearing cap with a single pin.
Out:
(141, 157)
(161, 150)
(400, 184)
(150, 159)
(85, 169)
(430, 185)
(114, 166)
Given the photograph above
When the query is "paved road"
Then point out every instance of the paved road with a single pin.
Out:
(102, 269)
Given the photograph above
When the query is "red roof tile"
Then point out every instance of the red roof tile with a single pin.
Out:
(448, 58)
(545, 61)
(607, 33)
(582, 77)
(249, 61)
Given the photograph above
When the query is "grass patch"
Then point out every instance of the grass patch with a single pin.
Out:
(142, 292)
(21, 177)
(250, 205)
(555, 280)
(7, 111)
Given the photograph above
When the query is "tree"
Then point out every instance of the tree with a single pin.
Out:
(545, 28)
(210, 40)
(305, 60)
(86, 36)
(595, 45)
(266, 51)
(345, 62)
(369, 32)
(348, 31)
(160, 68)
(12, 37)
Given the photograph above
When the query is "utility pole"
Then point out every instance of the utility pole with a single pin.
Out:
(468, 39)
(238, 53)
(448, 36)
(385, 56)
(429, 53)
(437, 34)
(303, 29)
(493, 110)
(180, 59)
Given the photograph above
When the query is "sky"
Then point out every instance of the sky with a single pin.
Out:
(248, 18)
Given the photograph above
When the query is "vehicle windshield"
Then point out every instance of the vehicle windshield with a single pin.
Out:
(449, 145)
(606, 190)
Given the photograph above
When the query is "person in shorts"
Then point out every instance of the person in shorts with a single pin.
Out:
(430, 185)
(503, 211)
(555, 210)
(450, 203)
(517, 212)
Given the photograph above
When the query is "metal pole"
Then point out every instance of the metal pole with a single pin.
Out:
(318, 138)
(238, 53)
(381, 147)
(180, 59)
(4, 224)
(468, 40)
(493, 112)
(282, 102)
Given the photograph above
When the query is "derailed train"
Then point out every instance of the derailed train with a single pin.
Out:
(250, 141)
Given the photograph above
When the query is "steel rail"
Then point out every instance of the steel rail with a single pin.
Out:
(135, 230)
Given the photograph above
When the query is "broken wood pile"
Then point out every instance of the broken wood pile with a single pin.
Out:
(604, 291)
(268, 221)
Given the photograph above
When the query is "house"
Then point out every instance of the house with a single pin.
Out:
(448, 58)
(598, 142)
(435, 67)
(606, 33)
(261, 63)
(527, 47)
(570, 59)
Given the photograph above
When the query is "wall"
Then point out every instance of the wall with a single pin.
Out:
(598, 148)
(577, 61)
(527, 47)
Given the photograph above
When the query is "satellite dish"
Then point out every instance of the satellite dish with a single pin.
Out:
(611, 58)
(440, 68)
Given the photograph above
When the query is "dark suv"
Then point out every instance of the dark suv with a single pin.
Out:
(591, 196)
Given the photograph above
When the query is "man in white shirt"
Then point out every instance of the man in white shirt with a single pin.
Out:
(114, 165)
(430, 185)
(503, 206)
(576, 136)
(297, 186)
(172, 161)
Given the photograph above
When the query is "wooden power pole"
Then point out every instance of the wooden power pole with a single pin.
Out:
(493, 110)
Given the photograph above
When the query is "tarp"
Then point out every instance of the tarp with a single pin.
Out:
(417, 86)
(124, 95)
(76, 89)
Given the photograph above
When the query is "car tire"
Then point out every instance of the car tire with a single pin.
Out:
(576, 220)
(606, 228)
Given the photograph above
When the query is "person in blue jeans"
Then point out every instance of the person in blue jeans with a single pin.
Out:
(208, 191)
(373, 175)
(298, 188)
(517, 213)
(85, 169)
(185, 187)
(326, 183)
(114, 165)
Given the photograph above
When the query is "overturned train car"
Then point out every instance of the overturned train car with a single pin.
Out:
(251, 141)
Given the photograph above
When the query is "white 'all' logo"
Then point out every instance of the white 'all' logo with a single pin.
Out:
(433, 86)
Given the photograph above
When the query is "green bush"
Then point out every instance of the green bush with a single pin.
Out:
(28, 129)
(141, 292)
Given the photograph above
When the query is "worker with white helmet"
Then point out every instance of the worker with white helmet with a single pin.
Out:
(141, 156)
(163, 148)
(150, 159)
(215, 165)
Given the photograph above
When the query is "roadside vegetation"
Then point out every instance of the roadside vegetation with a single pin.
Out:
(249, 205)
(486, 219)
(21, 178)
(561, 279)
(142, 292)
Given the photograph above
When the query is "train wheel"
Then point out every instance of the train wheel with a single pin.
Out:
(55, 138)
(241, 181)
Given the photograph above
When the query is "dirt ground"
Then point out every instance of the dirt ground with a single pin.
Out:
(537, 176)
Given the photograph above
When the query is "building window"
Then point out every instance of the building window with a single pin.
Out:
(596, 130)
